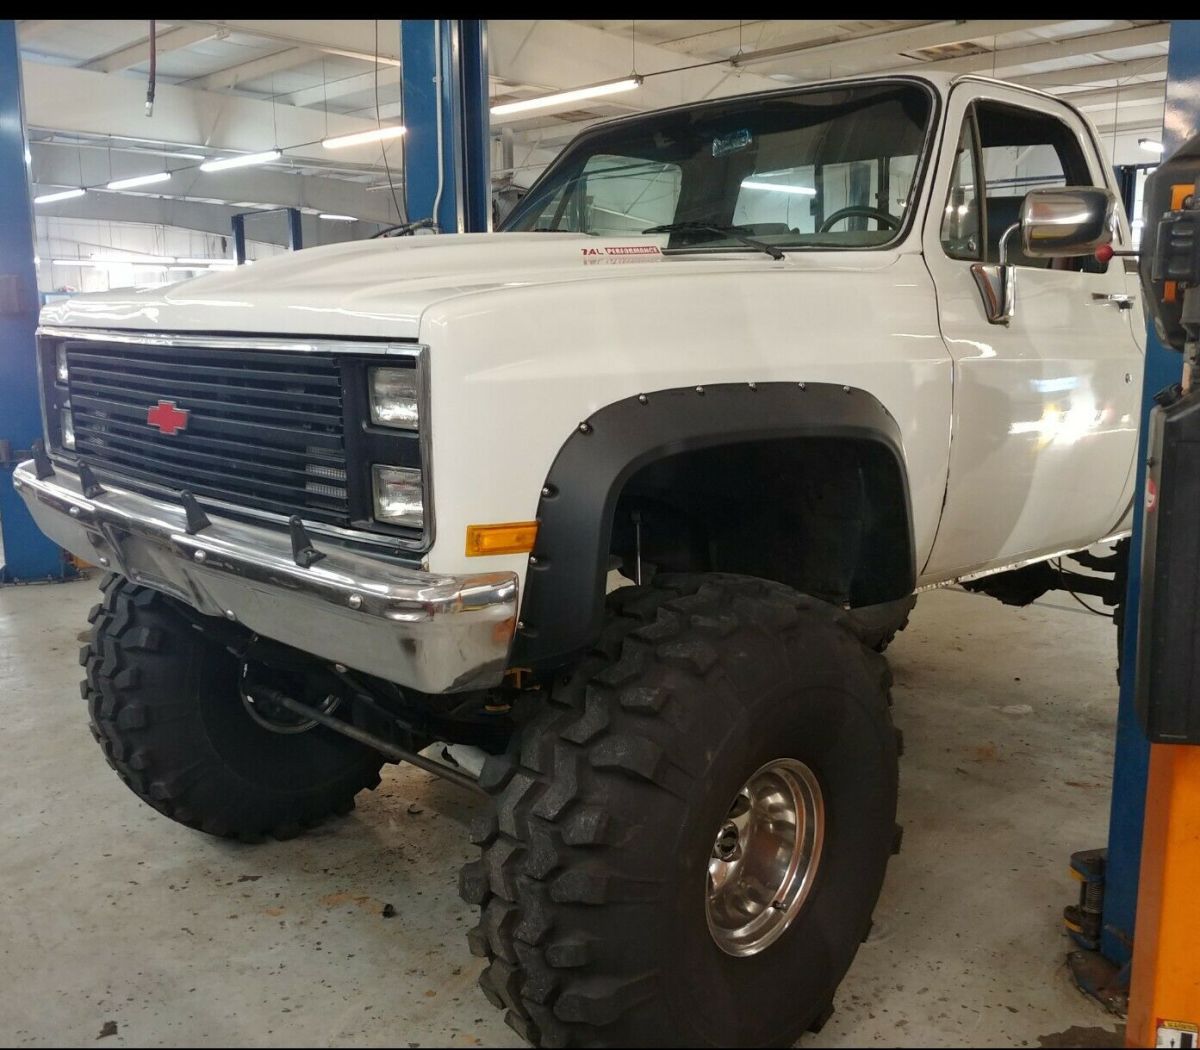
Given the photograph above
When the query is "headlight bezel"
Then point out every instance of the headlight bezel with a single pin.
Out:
(370, 444)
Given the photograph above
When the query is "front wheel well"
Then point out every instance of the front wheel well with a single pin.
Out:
(803, 483)
(825, 515)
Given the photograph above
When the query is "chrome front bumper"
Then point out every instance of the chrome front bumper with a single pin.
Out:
(438, 634)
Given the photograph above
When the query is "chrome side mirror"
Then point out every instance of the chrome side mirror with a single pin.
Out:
(1074, 220)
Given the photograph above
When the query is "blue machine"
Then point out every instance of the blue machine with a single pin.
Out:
(445, 76)
(28, 554)
(1111, 877)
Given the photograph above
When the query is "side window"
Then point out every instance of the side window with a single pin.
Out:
(961, 223)
(1025, 150)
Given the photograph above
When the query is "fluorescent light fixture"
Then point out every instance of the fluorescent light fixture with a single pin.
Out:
(337, 218)
(206, 262)
(1151, 145)
(751, 184)
(246, 160)
(74, 262)
(362, 138)
(61, 195)
(612, 87)
(133, 257)
(138, 180)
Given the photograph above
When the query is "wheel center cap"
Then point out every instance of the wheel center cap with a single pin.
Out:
(728, 844)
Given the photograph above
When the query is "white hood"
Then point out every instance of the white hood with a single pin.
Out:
(382, 287)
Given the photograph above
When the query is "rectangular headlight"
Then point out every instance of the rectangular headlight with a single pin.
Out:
(398, 495)
(61, 373)
(393, 396)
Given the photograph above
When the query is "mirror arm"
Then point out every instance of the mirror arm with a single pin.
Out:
(998, 283)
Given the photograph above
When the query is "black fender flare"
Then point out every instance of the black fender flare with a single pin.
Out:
(563, 606)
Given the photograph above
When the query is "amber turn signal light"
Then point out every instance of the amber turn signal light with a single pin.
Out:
(516, 537)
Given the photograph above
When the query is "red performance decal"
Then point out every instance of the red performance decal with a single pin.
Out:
(620, 252)
(167, 417)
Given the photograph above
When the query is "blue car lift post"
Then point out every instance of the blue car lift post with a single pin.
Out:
(1151, 868)
(28, 554)
(445, 74)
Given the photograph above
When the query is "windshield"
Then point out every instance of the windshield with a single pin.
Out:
(825, 168)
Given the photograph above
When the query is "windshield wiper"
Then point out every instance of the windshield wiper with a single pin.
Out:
(732, 232)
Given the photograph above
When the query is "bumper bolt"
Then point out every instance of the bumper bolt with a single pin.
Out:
(74, 512)
(199, 556)
(354, 601)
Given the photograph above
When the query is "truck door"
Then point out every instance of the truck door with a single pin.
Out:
(1045, 410)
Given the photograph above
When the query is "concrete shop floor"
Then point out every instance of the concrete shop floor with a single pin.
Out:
(117, 923)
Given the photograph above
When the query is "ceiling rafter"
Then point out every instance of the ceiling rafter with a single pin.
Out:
(135, 54)
(254, 69)
(1090, 74)
(897, 41)
(1063, 47)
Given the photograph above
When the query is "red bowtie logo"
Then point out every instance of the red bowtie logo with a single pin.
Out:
(167, 417)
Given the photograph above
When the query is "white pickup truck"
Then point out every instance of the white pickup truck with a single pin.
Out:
(774, 362)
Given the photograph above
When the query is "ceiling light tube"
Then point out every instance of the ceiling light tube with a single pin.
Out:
(337, 218)
(1151, 145)
(206, 262)
(362, 138)
(132, 258)
(752, 184)
(138, 180)
(612, 87)
(245, 160)
(61, 195)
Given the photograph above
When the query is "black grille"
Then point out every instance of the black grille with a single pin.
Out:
(264, 428)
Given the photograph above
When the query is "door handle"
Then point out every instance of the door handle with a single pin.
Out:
(1120, 300)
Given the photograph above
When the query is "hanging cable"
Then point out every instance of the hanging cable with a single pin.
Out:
(153, 71)
(438, 72)
(401, 213)
(1057, 563)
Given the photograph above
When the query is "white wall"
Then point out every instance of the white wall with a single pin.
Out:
(58, 238)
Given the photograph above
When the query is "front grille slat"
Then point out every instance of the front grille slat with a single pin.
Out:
(243, 450)
(118, 446)
(238, 403)
(109, 383)
(104, 363)
(264, 428)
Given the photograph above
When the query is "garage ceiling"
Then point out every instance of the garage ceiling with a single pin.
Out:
(241, 85)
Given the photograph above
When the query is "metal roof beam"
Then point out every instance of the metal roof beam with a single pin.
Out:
(54, 167)
(1092, 73)
(64, 99)
(334, 89)
(556, 55)
(348, 37)
(135, 54)
(1064, 47)
(230, 77)
(204, 218)
(897, 41)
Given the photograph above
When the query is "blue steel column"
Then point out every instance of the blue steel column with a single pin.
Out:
(28, 555)
(460, 86)
(1182, 119)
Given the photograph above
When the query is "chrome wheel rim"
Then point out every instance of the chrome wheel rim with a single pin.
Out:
(765, 857)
